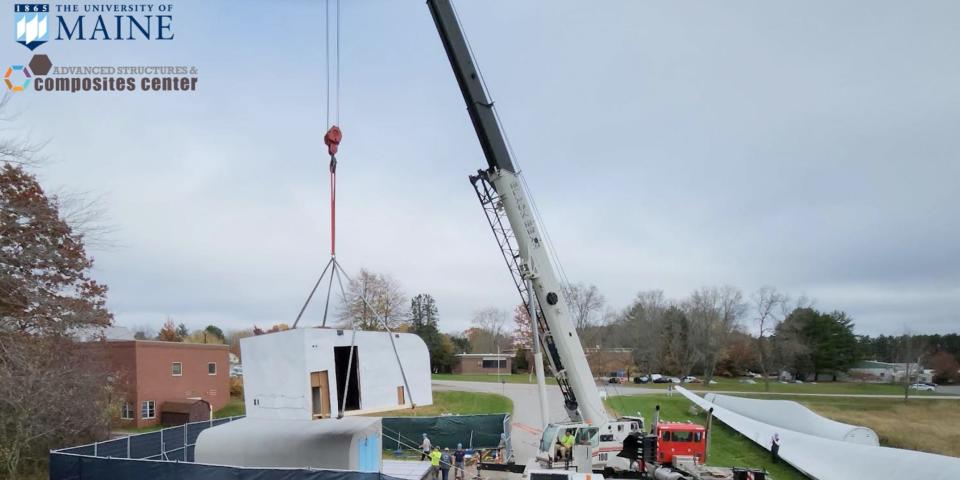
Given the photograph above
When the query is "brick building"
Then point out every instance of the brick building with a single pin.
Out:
(483, 363)
(153, 373)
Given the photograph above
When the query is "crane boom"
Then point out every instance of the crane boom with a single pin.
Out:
(502, 194)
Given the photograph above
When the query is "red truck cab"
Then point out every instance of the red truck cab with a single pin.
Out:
(681, 439)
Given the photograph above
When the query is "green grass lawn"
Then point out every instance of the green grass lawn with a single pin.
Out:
(727, 447)
(511, 378)
(461, 403)
(232, 409)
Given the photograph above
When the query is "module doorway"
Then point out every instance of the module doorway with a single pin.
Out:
(348, 383)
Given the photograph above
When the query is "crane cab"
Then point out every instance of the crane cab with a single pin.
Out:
(681, 439)
(606, 441)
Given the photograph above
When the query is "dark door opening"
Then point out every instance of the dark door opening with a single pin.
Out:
(348, 384)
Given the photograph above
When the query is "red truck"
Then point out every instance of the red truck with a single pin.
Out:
(674, 438)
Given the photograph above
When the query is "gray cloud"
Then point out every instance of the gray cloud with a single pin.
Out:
(806, 145)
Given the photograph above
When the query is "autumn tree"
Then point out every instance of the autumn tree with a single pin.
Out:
(46, 294)
(768, 307)
(277, 327)
(946, 369)
(168, 333)
(713, 313)
(638, 327)
(370, 301)
(522, 328)
(233, 339)
(488, 334)
(586, 307)
(45, 283)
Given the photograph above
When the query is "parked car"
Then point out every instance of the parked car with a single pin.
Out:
(923, 387)
(662, 380)
(655, 376)
(689, 379)
(642, 379)
(616, 380)
(674, 379)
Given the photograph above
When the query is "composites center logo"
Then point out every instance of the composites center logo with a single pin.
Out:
(35, 24)
(30, 24)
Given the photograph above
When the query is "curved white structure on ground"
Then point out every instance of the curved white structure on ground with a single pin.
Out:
(350, 443)
(793, 416)
(826, 459)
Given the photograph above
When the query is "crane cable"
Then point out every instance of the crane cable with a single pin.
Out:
(332, 139)
(333, 136)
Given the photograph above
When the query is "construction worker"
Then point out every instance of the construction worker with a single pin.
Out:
(502, 449)
(459, 457)
(566, 444)
(775, 448)
(435, 462)
(446, 461)
(424, 448)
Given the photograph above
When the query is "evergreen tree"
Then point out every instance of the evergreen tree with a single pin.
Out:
(424, 318)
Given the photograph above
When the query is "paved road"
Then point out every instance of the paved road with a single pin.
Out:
(526, 426)
(949, 389)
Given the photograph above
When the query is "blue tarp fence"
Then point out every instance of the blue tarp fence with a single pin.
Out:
(473, 431)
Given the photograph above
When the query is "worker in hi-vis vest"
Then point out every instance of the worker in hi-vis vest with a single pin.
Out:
(566, 444)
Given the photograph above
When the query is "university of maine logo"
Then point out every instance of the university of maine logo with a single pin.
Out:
(30, 24)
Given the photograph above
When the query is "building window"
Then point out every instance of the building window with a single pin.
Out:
(148, 409)
(176, 369)
(211, 368)
(494, 363)
(126, 411)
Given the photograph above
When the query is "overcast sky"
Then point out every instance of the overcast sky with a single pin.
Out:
(813, 146)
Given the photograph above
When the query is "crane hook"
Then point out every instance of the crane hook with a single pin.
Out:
(332, 139)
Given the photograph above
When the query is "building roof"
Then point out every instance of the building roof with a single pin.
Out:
(872, 364)
(109, 333)
(681, 426)
(157, 343)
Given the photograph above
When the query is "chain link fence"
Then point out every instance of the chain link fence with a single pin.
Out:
(170, 444)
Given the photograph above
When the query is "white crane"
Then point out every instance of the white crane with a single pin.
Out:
(506, 204)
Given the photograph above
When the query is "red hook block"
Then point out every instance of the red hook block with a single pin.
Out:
(332, 139)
